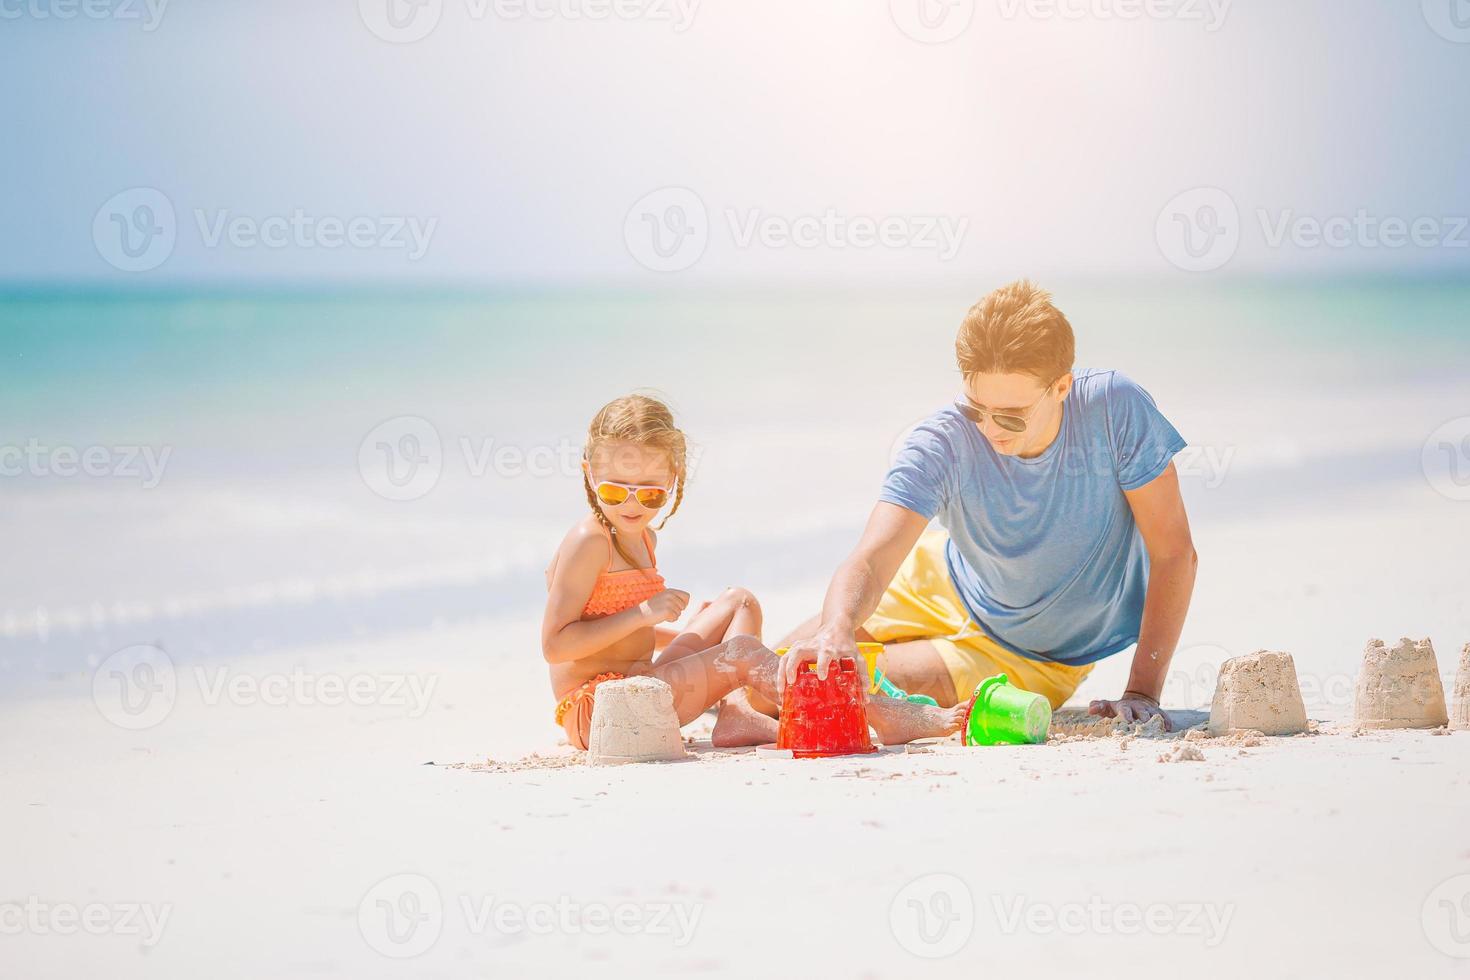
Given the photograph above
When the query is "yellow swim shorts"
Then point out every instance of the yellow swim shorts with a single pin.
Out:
(922, 604)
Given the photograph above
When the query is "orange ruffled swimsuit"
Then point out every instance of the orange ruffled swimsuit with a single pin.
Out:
(611, 594)
(615, 591)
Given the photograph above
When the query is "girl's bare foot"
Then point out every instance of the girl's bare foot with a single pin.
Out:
(740, 724)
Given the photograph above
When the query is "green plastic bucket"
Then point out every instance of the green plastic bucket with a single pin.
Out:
(1006, 715)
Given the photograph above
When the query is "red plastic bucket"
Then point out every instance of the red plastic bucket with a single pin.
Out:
(823, 718)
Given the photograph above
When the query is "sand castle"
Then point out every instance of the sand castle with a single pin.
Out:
(1258, 692)
(633, 720)
(1460, 707)
(1400, 687)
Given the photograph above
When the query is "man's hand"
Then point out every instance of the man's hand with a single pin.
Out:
(1131, 708)
(665, 607)
(825, 647)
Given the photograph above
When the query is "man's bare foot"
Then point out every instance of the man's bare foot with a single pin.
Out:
(740, 724)
(898, 722)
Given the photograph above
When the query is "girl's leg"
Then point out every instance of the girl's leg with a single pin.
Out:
(701, 678)
(734, 613)
(742, 722)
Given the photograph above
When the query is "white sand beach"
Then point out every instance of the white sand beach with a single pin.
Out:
(288, 840)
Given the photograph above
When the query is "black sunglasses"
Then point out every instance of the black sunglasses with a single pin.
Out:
(1011, 423)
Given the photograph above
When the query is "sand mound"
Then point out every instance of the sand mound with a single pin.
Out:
(1460, 710)
(1258, 692)
(1183, 752)
(1070, 723)
(1399, 687)
(633, 720)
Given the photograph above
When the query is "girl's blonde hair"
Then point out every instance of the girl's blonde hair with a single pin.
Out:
(642, 421)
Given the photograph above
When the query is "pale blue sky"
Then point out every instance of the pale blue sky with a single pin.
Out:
(1039, 142)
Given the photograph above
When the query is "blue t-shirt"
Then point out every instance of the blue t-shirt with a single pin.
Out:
(1044, 552)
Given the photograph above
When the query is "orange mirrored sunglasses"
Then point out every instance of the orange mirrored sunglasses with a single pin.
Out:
(614, 494)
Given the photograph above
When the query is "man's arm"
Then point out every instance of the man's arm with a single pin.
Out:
(1158, 509)
(856, 588)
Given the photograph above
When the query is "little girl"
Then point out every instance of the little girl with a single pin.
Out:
(607, 602)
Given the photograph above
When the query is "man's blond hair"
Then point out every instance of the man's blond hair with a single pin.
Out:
(1016, 330)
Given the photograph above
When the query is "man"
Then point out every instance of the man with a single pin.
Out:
(1063, 537)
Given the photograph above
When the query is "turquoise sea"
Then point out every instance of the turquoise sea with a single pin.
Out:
(265, 469)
